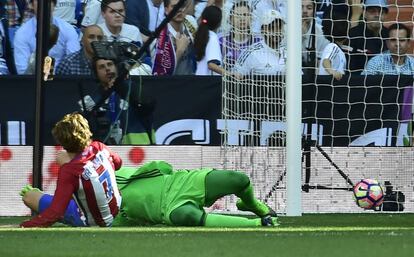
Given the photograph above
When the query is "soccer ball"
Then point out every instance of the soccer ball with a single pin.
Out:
(368, 194)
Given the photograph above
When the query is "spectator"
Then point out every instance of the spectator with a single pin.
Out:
(66, 10)
(206, 43)
(351, 8)
(16, 14)
(313, 40)
(53, 36)
(368, 37)
(333, 59)
(92, 14)
(395, 61)
(261, 7)
(200, 5)
(25, 45)
(117, 121)
(6, 52)
(174, 48)
(114, 27)
(80, 62)
(267, 57)
(145, 14)
(4, 70)
(240, 36)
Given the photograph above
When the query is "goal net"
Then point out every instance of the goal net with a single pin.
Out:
(356, 110)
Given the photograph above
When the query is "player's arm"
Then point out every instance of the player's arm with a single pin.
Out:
(66, 186)
(116, 159)
(327, 65)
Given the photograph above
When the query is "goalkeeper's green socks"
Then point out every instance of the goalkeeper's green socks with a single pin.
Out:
(217, 220)
(248, 202)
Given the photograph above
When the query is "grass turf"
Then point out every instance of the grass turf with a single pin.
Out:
(316, 235)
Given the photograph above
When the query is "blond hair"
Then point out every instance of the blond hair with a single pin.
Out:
(72, 132)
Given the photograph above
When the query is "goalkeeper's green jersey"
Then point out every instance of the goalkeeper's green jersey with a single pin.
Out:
(151, 192)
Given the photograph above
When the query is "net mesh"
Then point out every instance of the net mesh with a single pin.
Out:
(360, 121)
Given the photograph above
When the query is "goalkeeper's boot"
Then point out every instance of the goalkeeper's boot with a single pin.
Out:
(269, 221)
(261, 211)
(28, 188)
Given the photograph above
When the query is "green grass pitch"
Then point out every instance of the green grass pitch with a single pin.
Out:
(313, 235)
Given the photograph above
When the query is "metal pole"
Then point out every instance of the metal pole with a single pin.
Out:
(42, 35)
(294, 109)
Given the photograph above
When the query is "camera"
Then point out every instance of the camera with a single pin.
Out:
(123, 54)
(393, 200)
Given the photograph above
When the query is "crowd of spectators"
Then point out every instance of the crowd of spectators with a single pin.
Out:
(338, 36)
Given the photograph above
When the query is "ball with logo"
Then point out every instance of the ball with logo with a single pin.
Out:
(368, 193)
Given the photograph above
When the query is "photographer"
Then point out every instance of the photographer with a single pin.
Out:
(115, 111)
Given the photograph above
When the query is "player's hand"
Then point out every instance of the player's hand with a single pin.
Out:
(62, 157)
(33, 223)
(26, 224)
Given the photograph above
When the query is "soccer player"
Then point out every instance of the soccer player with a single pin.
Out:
(87, 176)
(155, 194)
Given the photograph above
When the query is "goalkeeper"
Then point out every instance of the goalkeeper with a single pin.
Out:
(155, 194)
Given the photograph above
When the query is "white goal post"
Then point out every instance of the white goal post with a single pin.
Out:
(294, 110)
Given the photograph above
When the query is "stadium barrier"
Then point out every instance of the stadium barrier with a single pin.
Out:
(356, 111)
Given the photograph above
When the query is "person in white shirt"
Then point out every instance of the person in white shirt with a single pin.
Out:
(25, 43)
(312, 41)
(92, 14)
(66, 9)
(266, 57)
(333, 60)
(206, 43)
(114, 27)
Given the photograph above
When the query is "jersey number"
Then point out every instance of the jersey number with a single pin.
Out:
(105, 179)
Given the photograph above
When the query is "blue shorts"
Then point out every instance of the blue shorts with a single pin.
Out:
(73, 215)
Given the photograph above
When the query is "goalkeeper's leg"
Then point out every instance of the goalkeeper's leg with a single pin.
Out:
(223, 182)
(190, 215)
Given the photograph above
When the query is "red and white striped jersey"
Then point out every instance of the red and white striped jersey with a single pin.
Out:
(89, 178)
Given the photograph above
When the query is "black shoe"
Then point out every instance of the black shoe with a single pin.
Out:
(241, 206)
(272, 212)
(269, 221)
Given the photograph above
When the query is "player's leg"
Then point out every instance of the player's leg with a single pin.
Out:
(190, 215)
(38, 201)
(31, 197)
(223, 182)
